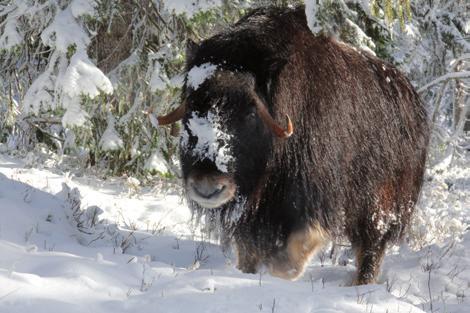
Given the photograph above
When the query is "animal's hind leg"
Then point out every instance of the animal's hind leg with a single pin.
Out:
(382, 223)
(369, 256)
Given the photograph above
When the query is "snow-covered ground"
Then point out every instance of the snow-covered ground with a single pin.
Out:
(79, 244)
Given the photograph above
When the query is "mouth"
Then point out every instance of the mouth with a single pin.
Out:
(214, 194)
(210, 191)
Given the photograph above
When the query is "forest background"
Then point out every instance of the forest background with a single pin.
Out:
(78, 77)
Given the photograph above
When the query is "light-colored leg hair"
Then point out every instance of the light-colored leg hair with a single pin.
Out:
(301, 246)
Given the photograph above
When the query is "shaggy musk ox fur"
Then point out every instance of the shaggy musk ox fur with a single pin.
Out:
(352, 166)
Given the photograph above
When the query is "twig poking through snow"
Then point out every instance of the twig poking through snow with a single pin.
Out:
(9, 293)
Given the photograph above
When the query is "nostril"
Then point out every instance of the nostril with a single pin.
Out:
(206, 191)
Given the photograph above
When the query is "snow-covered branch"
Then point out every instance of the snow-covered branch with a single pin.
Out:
(444, 78)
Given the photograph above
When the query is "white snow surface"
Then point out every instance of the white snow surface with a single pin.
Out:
(198, 74)
(78, 244)
(213, 142)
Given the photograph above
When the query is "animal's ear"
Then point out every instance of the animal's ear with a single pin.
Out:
(191, 50)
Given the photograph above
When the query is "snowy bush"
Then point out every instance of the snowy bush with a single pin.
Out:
(87, 64)
(91, 228)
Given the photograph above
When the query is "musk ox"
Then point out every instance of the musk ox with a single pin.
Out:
(293, 139)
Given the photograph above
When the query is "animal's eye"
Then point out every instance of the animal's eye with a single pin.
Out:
(250, 115)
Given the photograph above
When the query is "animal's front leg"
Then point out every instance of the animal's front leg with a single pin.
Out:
(248, 260)
(301, 246)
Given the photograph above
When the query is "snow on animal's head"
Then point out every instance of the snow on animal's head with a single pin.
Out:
(224, 143)
(211, 140)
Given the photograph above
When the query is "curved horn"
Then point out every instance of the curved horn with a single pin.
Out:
(173, 116)
(271, 123)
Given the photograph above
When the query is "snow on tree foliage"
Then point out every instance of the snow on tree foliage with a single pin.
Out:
(157, 163)
(159, 81)
(82, 77)
(190, 7)
(311, 9)
(110, 140)
(67, 79)
(10, 36)
(74, 116)
(65, 32)
(83, 7)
